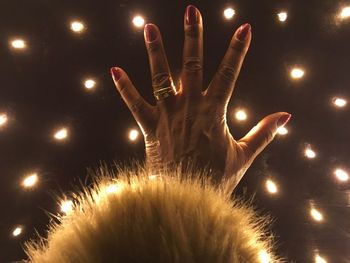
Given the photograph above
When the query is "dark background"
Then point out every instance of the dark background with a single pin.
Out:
(41, 88)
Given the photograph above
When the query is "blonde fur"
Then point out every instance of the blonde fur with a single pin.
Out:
(136, 217)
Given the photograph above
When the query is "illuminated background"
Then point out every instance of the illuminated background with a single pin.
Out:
(60, 112)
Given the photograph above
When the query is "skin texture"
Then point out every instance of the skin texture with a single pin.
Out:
(191, 127)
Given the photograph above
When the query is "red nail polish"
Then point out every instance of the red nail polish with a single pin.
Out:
(151, 33)
(283, 120)
(116, 73)
(191, 15)
(243, 32)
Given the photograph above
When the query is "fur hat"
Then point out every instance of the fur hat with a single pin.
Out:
(134, 216)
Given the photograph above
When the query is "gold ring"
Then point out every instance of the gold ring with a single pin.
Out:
(164, 92)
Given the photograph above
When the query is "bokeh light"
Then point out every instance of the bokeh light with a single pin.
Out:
(345, 13)
(90, 83)
(316, 215)
(341, 175)
(17, 231)
(339, 102)
(297, 73)
(77, 26)
(229, 13)
(67, 206)
(319, 259)
(18, 44)
(133, 134)
(282, 130)
(241, 115)
(3, 119)
(264, 256)
(271, 186)
(61, 134)
(282, 16)
(309, 153)
(30, 180)
(138, 21)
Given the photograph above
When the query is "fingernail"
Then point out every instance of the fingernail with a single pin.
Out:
(243, 31)
(116, 74)
(283, 120)
(191, 15)
(151, 33)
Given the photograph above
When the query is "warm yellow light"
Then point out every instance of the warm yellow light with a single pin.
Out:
(17, 231)
(271, 187)
(3, 119)
(297, 73)
(264, 256)
(345, 13)
(138, 21)
(241, 115)
(319, 259)
(339, 102)
(89, 83)
(77, 26)
(61, 134)
(30, 180)
(229, 13)
(282, 130)
(113, 189)
(18, 44)
(67, 206)
(133, 135)
(316, 214)
(341, 175)
(282, 16)
(309, 153)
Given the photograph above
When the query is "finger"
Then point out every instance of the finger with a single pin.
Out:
(160, 72)
(263, 133)
(221, 87)
(143, 112)
(192, 71)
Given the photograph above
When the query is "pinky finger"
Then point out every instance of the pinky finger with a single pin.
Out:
(142, 111)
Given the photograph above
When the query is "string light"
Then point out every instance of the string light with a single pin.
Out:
(264, 256)
(241, 115)
(339, 102)
(341, 175)
(319, 259)
(17, 231)
(229, 13)
(316, 214)
(309, 153)
(282, 16)
(138, 21)
(345, 13)
(77, 26)
(271, 187)
(66, 206)
(133, 134)
(3, 119)
(282, 130)
(61, 134)
(18, 44)
(89, 83)
(30, 180)
(297, 73)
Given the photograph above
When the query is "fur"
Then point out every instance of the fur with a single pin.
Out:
(144, 218)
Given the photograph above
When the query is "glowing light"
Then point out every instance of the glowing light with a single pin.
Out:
(67, 206)
(341, 175)
(18, 44)
(133, 135)
(345, 13)
(138, 21)
(339, 102)
(3, 119)
(17, 231)
(271, 187)
(264, 256)
(113, 189)
(297, 73)
(319, 259)
(30, 180)
(61, 134)
(89, 83)
(309, 153)
(77, 26)
(241, 115)
(229, 13)
(316, 214)
(282, 130)
(282, 16)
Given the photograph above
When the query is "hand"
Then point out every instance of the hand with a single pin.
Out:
(191, 124)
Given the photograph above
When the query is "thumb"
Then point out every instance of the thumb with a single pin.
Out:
(263, 133)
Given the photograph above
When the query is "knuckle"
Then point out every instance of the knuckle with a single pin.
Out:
(161, 80)
(228, 73)
(153, 47)
(237, 47)
(137, 105)
(193, 64)
(193, 31)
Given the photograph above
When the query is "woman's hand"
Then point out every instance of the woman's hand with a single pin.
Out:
(190, 124)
